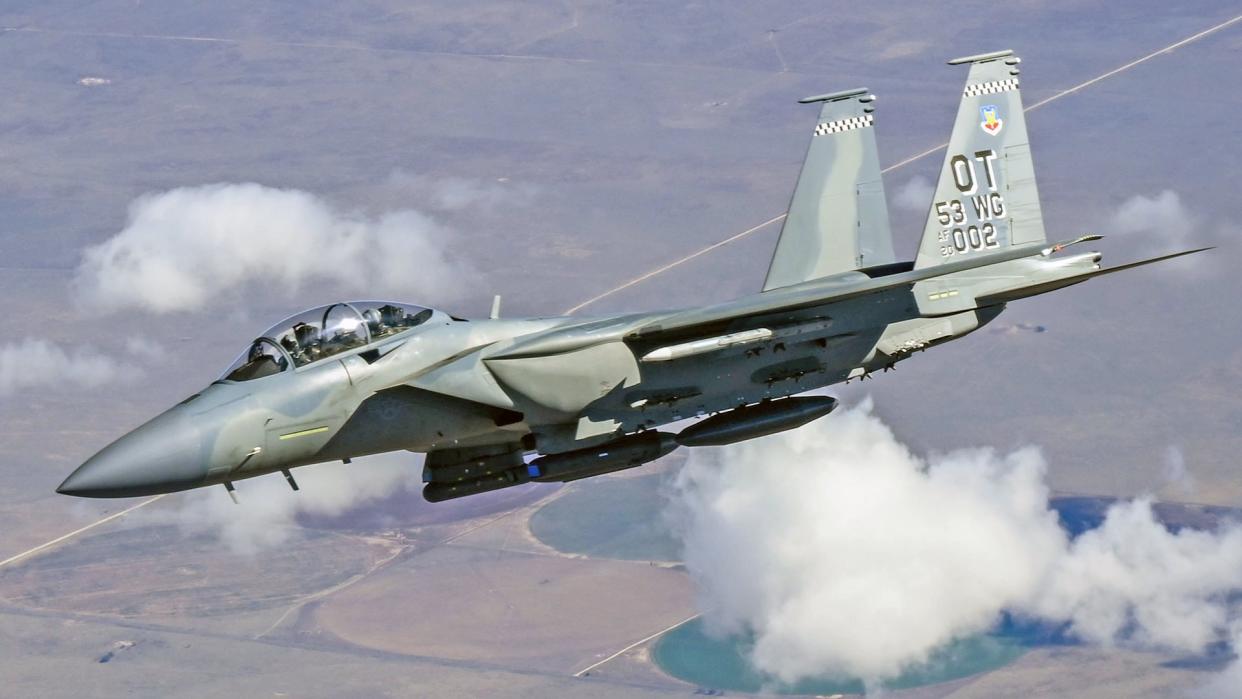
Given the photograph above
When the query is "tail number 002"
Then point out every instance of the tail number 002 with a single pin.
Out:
(959, 240)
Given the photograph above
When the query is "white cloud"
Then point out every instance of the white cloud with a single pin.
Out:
(1161, 222)
(1131, 579)
(183, 248)
(842, 552)
(35, 363)
(915, 194)
(267, 509)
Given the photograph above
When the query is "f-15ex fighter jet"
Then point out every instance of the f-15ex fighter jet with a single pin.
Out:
(499, 402)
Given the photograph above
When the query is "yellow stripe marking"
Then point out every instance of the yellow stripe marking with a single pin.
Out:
(303, 433)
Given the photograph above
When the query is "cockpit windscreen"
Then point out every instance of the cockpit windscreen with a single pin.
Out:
(324, 332)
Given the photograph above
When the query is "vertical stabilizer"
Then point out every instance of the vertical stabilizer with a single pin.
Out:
(986, 199)
(838, 218)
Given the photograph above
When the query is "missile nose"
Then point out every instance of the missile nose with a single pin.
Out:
(162, 456)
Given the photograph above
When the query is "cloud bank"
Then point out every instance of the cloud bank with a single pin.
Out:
(844, 553)
(36, 363)
(184, 247)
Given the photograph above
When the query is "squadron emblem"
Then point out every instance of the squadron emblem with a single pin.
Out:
(992, 123)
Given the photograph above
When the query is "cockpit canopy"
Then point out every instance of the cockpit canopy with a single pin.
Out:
(324, 332)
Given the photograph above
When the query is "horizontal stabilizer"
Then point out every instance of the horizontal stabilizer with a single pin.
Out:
(1008, 295)
(1140, 263)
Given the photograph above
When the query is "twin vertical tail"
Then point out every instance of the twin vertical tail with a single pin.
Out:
(985, 202)
(838, 218)
(986, 199)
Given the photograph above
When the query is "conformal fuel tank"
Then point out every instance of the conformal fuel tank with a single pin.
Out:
(753, 421)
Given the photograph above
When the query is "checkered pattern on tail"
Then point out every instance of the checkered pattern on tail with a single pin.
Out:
(989, 88)
(831, 127)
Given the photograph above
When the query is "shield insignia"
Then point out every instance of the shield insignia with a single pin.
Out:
(992, 123)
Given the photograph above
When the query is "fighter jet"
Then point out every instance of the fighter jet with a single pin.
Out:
(495, 403)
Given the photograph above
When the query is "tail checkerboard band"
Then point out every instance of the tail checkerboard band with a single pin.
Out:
(831, 127)
(992, 87)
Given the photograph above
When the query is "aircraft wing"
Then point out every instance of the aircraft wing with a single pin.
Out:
(820, 292)
(732, 316)
(787, 310)
(1007, 295)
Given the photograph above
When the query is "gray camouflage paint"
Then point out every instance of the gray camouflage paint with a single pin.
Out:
(478, 395)
(987, 175)
(838, 217)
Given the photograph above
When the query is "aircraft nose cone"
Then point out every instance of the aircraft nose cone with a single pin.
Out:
(162, 456)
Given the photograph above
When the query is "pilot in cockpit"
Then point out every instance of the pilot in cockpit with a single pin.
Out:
(320, 333)
(291, 346)
(256, 354)
(306, 337)
(262, 360)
